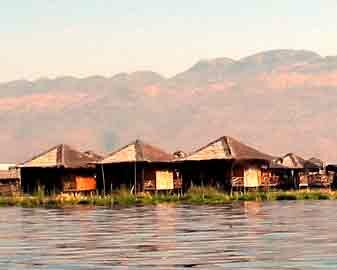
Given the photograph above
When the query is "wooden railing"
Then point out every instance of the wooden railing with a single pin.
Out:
(9, 189)
(149, 185)
(237, 181)
(316, 180)
(270, 181)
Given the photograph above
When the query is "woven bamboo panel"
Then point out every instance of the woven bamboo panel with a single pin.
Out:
(164, 180)
(11, 174)
(252, 177)
(85, 183)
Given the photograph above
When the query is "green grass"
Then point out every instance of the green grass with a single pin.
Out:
(196, 195)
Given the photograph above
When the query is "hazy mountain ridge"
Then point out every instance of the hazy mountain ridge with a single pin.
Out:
(278, 101)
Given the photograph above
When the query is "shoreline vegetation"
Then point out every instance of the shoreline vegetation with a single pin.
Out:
(196, 195)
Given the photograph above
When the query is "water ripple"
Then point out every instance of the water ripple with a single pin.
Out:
(248, 235)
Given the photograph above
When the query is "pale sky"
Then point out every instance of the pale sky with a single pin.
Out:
(49, 38)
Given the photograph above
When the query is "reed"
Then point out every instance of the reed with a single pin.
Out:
(207, 195)
(124, 197)
(196, 195)
(159, 198)
(286, 196)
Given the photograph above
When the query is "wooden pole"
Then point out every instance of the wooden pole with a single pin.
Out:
(231, 174)
(135, 178)
(293, 178)
(103, 176)
(142, 180)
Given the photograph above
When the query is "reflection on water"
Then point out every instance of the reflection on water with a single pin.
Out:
(250, 235)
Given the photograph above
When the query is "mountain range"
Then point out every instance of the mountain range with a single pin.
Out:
(277, 101)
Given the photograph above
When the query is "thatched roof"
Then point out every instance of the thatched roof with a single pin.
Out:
(227, 148)
(61, 156)
(292, 161)
(6, 166)
(93, 155)
(275, 164)
(331, 167)
(317, 162)
(179, 154)
(137, 151)
(8, 175)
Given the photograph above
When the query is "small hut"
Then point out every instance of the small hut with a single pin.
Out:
(331, 171)
(298, 172)
(60, 169)
(139, 167)
(224, 163)
(318, 162)
(296, 162)
(9, 180)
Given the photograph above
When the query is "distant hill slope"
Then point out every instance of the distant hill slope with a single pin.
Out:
(279, 101)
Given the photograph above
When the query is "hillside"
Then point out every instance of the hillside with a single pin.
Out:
(279, 101)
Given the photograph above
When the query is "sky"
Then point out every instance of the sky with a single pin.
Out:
(51, 38)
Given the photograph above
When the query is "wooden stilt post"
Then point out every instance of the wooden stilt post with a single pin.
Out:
(135, 178)
(103, 176)
(142, 179)
(231, 178)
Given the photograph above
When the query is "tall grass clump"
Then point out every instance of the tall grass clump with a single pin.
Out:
(252, 196)
(124, 197)
(195, 195)
(285, 196)
(7, 201)
(166, 198)
(107, 200)
(313, 195)
(205, 195)
(159, 198)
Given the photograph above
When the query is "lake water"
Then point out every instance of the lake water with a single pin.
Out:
(250, 235)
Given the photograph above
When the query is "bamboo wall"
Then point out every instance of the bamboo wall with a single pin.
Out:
(252, 177)
(9, 188)
(164, 180)
(161, 180)
(85, 183)
(78, 183)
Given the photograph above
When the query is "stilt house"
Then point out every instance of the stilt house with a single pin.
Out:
(318, 162)
(60, 169)
(9, 180)
(331, 171)
(300, 173)
(139, 167)
(224, 163)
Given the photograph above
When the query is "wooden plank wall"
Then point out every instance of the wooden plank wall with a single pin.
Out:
(85, 183)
